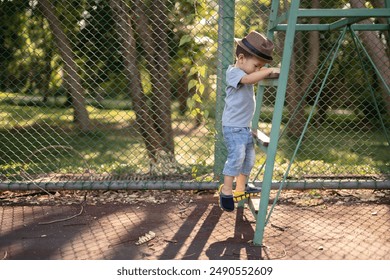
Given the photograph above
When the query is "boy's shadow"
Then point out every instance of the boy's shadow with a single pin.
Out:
(239, 246)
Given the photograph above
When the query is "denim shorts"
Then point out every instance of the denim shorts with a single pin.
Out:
(241, 150)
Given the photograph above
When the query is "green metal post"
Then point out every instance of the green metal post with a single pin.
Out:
(225, 58)
(261, 87)
(259, 102)
(276, 121)
(272, 22)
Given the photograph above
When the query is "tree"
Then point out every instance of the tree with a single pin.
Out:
(306, 69)
(11, 21)
(385, 34)
(71, 78)
(376, 50)
(154, 38)
(153, 117)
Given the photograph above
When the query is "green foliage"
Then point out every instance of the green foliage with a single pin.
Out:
(36, 128)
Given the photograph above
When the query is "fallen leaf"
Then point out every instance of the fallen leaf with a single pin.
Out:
(145, 238)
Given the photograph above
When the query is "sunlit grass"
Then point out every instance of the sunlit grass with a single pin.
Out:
(39, 139)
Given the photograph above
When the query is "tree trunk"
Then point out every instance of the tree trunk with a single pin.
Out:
(377, 52)
(297, 87)
(293, 96)
(45, 75)
(162, 86)
(143, 114)
(62, 42)
(380, 4)
(151, 25)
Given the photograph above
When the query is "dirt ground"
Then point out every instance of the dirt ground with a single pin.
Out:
(161, 225)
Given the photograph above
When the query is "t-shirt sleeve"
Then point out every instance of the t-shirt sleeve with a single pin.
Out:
(234, 76)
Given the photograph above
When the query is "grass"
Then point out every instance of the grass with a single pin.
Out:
(36, 139)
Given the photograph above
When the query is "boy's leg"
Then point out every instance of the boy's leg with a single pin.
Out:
(240, 183)
(241, 191)
(227, 185)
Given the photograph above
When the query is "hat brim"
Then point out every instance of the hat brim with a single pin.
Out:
(239, 42)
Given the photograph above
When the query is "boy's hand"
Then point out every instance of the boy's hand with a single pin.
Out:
(262, 73)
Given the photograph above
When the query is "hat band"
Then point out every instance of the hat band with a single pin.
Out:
(254, 50)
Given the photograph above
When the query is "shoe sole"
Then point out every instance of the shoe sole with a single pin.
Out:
(245, 195)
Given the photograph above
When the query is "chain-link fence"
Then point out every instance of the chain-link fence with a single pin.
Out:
(127, 95)
(119, 94)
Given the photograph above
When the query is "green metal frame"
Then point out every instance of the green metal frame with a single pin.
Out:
(225, 58)
(347, 19)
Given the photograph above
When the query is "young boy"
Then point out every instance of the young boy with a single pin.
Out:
(252, 53)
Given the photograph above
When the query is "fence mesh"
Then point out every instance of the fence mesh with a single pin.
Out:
(96, 92)
(126, 90)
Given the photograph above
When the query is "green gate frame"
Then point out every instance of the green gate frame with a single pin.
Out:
(347, 19)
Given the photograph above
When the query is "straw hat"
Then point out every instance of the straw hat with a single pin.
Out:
(258, 45)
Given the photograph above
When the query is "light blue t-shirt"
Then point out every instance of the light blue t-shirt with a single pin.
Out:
(239, 100)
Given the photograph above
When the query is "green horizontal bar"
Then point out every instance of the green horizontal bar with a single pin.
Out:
(385, 12)
(343, 22)
(269, 82)
(371, 27)
(329, 27)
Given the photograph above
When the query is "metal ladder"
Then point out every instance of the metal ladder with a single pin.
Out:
(346, 18)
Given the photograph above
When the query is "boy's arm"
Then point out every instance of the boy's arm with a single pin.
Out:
(257, 76)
